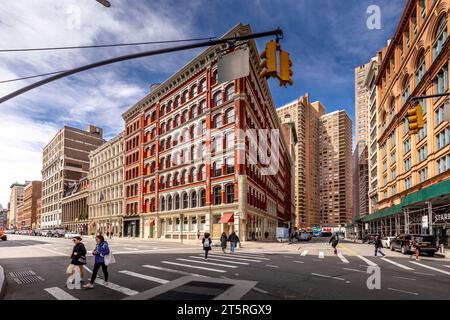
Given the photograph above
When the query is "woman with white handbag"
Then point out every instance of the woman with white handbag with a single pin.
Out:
(101, 252)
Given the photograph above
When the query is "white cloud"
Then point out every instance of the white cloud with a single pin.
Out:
(94, 97)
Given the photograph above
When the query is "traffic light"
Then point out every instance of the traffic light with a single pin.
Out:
(269, 63)
(415, 119)
(105, 3)
(285, 69)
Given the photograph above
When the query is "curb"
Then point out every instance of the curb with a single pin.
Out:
(2, 283)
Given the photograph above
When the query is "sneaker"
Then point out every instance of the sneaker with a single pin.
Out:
(88, 286)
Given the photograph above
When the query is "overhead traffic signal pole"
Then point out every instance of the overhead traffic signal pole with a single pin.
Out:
(277, 32)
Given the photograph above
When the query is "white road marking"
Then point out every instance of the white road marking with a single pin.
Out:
(60, 294)
(304, 253)
(355, 270)
(327, 277)
(431, 268)
(343, 259)
(425, 274)
(271, 266)
(132, 249)
(194, 267)
(403, 278)
(370, 263)
(321, 255)
(249, 256)
(231, 258)
(403, 291)
(208, 263)
(143, 276)
(298, 261)
(317, 260)
(398, 264)
(113, 286)
(260, 290)
(446, 266)
(174, 271)
(220, 260)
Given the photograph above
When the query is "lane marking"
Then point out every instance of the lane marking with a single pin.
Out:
(174, 271)
(194, 267)
(431, 268)
(398, 264)
(60, 294)
(446, 266)
(349, 251)
(298, 261)
(208, 263)
(321, 255)
(248, 256)
(304, 253)
(132, 249)
(271, 266)
(355, 270)
(317, 260)
(343, 259)
(213, 259)
(327, 277)
(370, 263)
(113, 286)
(425, 274)
(403, 291)
(143, 276)
(231, 258)
(260, 290)
(403, 278)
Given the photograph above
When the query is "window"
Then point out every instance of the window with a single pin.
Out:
(230, 193)
(217, 98)
(202, 198)
(185, 201)
(408, 183)
(423, 132)
(229, 140)
(217, 122)
(394, 189)
(420, 68)
(441, 81)
(203, 127)
(441, 37)
(440, 115)
(405, 126)
(423, 8)
(394, 173)
(393, 140)
(229, 93)
(407, 164)
(169, 203)
(423, 174)
(217, 196)
(202, 107)
(229, 116)
(202, 173)
(203, 85)
(393, 158)
(194, 91)
(443, 164)
(407, 146)
(194, 199)
(443, 138)
(406, 92)
(423, 153)
(215, 78)
(163, 110)
(229, 165)
(217, 168)
(163, 204)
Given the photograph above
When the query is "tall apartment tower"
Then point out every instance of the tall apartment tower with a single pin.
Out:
(16, 200)
(65, 161)
(306, 117)
(335, 169)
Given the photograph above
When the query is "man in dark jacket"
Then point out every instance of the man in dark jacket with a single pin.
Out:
(78, 255)
(378, 246)
(334, 240)
(234, 239)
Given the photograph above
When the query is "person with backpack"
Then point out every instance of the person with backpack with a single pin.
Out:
(234, 239)
(334, 240)
(206, 241)
(100, 252)
(223, 242)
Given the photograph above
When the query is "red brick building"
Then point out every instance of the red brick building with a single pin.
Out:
(189, 162)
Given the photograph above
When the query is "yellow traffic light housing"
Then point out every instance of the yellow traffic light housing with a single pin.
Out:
(269, 63)
(286, 72)
(415, 119)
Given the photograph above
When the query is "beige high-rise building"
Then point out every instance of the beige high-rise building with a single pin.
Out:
(65, 161)
(361, 105)
(106, 198)
(16, 200)
(306, 117)
(336, 169)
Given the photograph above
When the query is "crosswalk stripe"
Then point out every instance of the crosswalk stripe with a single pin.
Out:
(321, 255)
(232, 258)
(446, 266)
(431, 268)
(113, 286)
(398, 264)
(249, 256)
(194, 267)
(220, 260)
(143, 276)
(343, 259)
(304, 253)
(174, 271)
(299, 262)
(60, 294)
(327, 277)
(208, 263)
(370, 263)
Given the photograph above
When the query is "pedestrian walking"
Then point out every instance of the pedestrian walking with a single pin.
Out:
(223, 242)
(378, 246)
(101, 250)
(334, 240)
(234, 239)
(76, 268)
(206, 241)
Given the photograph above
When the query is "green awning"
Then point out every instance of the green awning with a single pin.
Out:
(383, 213)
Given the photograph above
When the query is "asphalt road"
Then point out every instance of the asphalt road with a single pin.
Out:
(35, 269)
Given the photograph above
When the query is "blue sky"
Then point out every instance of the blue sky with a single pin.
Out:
(327, 39)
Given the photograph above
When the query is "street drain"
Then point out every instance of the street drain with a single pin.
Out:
(25, 277)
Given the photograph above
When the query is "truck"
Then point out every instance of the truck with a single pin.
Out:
(2, 235)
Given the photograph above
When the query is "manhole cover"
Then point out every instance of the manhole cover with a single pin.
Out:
(25, 277)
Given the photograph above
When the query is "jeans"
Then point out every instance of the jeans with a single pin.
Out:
(378, 250)
(96, 268)
(206, 254)
(232, 246)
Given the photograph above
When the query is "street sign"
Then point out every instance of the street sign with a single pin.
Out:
(425, 222)
(234, 65)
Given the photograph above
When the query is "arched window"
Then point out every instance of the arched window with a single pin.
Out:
(147, 206)
(161, 183)
(169, 106)
(176, 122)
(162, 128)
(229, 92)
(202, 107)
(153, 150)
(153, 116)
(217, 168)
(194, 90)
(192, 132)
(440, 38)
(194, 199)
(420, 68)
(203, 85)
(169, 181)
(202, 198)
(169, 203)
(217, 98)
(152, 205)
(176, 179)
(184, 97)
(217, 122)
(184, 116)
(185, 201)
(192, 176)
(153, 167)
(169, 142)
(229, 116)
(202, 173)
(193, 112)
(169, 161)
(152, 186)
(163, 204)
(217, 192)
(147, 187)
(215, 77)
(163, 110)
(230, 193)
(203, 127)
(184, 177)
(229, 140)
(406, 91)
(177, 202)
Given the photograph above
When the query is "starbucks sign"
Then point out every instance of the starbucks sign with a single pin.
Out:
(445, 217)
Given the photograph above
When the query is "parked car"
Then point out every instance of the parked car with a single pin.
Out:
(369, 239)
(70, 235)
(59, 233)
(386, 241)
(304, 237)
(36, 232)
(405, 243)
(3, 236)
